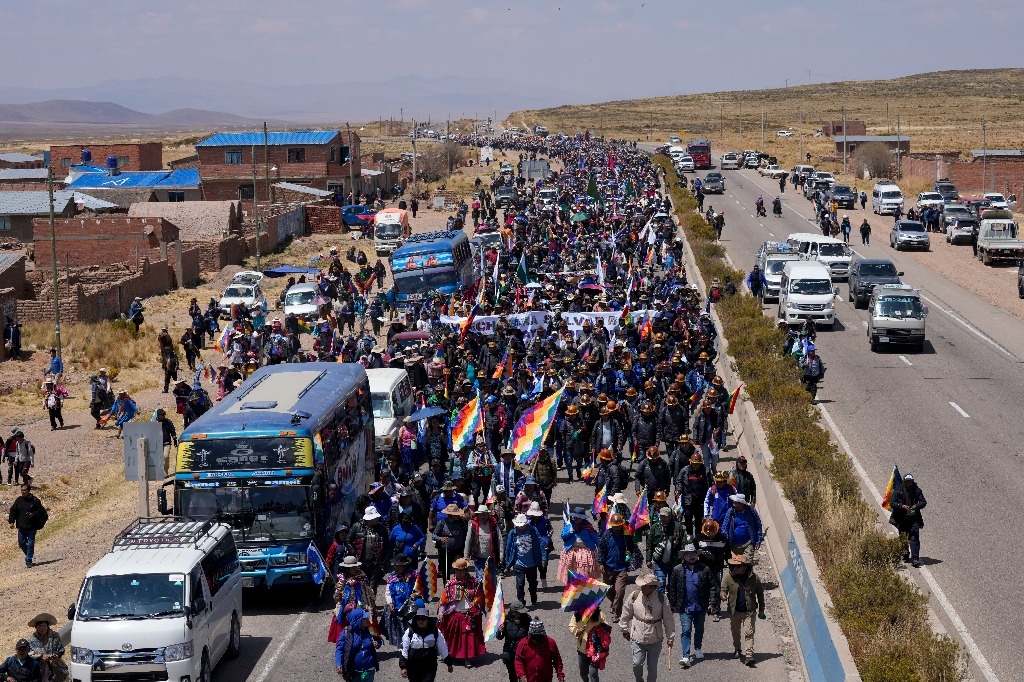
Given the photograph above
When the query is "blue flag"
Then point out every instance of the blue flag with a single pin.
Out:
(315, 563)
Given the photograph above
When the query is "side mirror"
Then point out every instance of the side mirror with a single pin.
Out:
(924, 310)
(899, 274)
(198, 605)
(835, 290)
(188, 616)
(71, 612)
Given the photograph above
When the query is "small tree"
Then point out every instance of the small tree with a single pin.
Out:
(438, 162)
(875, 157)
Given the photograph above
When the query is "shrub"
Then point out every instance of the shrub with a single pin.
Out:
(883, 616)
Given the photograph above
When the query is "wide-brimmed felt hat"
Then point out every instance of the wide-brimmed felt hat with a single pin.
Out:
(738, 560)
(350, 562)
(452, 510)
(42, 618)
(616, 520)
(619, 498)
(739, 497)
(646, 579)
(535, 509)
(521, 520)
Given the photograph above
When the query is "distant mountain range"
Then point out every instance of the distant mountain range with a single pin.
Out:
(72, 112)
(402, 97)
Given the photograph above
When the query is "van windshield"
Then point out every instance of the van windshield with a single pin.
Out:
(833, 250)
(132, 597)
(811, 286)
(300, 298)
(389, 230)
(899, 306)
(892, 195)
(381, 405)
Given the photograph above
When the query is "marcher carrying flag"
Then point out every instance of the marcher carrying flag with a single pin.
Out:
(521, 272)
(734, 398)
(468, 422)
(532, 428)
(894, 484)
(641, 516)
(467, 323)
(582, 594)
(496, 614)
(600, 502)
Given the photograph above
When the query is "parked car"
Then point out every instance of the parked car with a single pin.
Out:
(929, 199)
(714, 183)
(772, 171)
(953, 212)
(730, 161)
(751, 161)
(247, 289)
(844, 196)
(357, 215)
(909, 234)
(674, 139)
(999, 238)
(686, 165)
(996, 200)
(505, 196)
(300, 299)
(947, 189)
(784, 133)
(961, 230)
(868, 273)
(824, 176)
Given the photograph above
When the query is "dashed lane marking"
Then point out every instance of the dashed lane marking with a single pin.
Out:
(959, 409)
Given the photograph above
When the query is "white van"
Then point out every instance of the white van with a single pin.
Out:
(886, 197)
(391, 397)
(834, 253)
(164, 604)
(806, 291)
(299, 300)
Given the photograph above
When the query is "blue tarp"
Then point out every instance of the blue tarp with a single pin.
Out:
(285, 270)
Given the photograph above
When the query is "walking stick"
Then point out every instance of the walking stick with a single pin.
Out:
(670, 654)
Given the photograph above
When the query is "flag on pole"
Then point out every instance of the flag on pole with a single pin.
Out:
(315, 563)
(600, 270)
(532, 428)
(582, 594)
(504, 367)
(647, 328)
(467, 323)
(593, 192)
(695, 398)
(521, 272)
(600, 502)
(467, 423)
(496, 614)
(490, 583)
(221, 343)
(641, 515)
(895, 484)
(494, 276)
(589, 473)
(734, 398)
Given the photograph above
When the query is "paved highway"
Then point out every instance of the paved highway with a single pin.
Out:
(951, 415)
(284, 636)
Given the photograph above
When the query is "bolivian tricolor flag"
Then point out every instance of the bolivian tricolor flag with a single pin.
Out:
(734, 398)
(894, 484)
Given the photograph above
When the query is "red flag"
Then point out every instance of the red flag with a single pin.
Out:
(467, 323)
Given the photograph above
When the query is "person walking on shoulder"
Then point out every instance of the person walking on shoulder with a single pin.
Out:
(647, 622)
(28, 515)
(744, 596)
(907, 503)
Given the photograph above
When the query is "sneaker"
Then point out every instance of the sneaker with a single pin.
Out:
(716, 618)
(750, 662)
(737, 654)
(685, 662)
(916, 563)
(544, 583)
(698, 654)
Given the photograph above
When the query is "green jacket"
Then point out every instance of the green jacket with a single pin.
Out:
(754, 592)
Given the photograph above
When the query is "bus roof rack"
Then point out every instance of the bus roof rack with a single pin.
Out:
(163, 532)
(432, 236)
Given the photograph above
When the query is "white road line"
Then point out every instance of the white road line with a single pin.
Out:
(959, 409)
(909, 363)
(970, 327)
(268, 667)
(863, 322)
(933, 585)
(771, 233)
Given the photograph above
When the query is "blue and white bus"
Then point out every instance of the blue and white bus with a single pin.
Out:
(432, 261)
(281, 460)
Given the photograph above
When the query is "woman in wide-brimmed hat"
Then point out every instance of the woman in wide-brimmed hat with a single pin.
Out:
(351, 592)
(579, 553)
(460, 616)
(47, 648)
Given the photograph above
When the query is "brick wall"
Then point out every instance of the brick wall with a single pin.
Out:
(141, 155)
(289, 196)
(324, 220)
(27, 185)
(1000, 176)
(82, 242)
(191, 265)
(14, 276)
(38, 163)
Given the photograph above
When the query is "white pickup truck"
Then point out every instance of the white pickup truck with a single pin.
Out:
(998, 238)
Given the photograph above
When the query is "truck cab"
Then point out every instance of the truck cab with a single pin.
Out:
(896, 317)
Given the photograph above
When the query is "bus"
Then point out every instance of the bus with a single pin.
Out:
(281, 460)
(432, 261)
(700, 152)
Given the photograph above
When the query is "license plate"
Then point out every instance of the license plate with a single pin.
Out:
(248, 581)
(883, 339)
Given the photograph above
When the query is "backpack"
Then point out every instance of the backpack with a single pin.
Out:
(598, 644)
(39, 516)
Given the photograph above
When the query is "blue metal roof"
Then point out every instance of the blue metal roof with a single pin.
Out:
(188, 177)
(273, 138)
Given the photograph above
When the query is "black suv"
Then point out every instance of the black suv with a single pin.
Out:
(866, 274)
(844, 196)
(505, 196)
(947, 189)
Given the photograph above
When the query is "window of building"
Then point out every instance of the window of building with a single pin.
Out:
(65, 162)
(175, 196)
(123, 161)
(297, 155)
(334, 153)
(5, 222)
(345, 152)
(233, 156)
(245, 192)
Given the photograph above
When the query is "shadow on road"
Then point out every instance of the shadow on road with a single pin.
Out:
(242, 667)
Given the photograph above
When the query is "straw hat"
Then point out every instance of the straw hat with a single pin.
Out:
(738, 560)
(460, 564)
(535, 509)
(452, 510)
(646, 579)
(43, 618)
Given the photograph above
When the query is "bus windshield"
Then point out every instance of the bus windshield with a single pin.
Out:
(422, 281)
(698, 149)
(261, 514)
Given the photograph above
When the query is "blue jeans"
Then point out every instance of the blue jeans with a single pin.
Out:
(27, 543)
(691, 622)
(524, 575)
(661, 574)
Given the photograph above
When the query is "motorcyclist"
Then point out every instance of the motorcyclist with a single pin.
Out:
(814, 371)
(759, 205)
(777, 207)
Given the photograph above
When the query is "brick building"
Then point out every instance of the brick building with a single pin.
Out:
(316, 158)
(19, 160)
(19, 208)
(835, 128)
(892, 142)
(166, 185)
(26, 179)
(103, 240)
(135, 156)
(1000, 170)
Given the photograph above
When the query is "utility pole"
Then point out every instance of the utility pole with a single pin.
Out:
(266, 160)
(984, 155)
(53, 262)
(448, 145)
(844, 140)
(741, 119)
(808, 76)
(255, 207)
(415, 181)
(800, 137)
(762, 126)
(351, 160)
(899, 150)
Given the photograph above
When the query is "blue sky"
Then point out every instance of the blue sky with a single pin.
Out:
(604, 50)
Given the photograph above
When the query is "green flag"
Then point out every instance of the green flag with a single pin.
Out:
(521, 271)
(592, 191)
(630, 190)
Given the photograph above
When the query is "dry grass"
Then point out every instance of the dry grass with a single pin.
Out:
(103, 344)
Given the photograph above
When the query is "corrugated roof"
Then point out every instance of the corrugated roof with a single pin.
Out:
(291, 186)
(370, 172)
(23, 173)
(273, 138)
(9, 259)
(196, 220)
(93, 203)
(871, 138)
(18, 157)
(978, 153)
(188, 177)
(34, 202)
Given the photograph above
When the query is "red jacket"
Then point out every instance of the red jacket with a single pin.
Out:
(535, 661)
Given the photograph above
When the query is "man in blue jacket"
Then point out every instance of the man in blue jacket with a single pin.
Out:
(524, 552)
(742, 527)
(615, 552)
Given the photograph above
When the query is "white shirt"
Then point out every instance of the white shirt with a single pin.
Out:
(411, 640)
